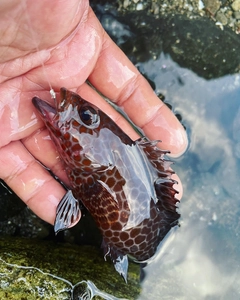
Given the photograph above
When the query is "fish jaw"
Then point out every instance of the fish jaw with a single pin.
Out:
(47, 111)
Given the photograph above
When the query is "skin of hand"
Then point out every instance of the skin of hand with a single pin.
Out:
(63, 44)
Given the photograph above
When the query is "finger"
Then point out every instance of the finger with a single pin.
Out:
(117, 78)
(17, 118)
(39, 143)
(30, 181)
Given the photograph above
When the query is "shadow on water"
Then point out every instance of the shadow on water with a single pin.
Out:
(195, 66)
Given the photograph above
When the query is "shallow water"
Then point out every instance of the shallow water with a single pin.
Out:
(199, 260)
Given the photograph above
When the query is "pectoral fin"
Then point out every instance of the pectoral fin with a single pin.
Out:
(68, 213)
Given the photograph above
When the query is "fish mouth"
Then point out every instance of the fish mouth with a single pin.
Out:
(45, 109)
(63, 93)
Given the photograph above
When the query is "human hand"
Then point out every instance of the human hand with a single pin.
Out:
(63, 43)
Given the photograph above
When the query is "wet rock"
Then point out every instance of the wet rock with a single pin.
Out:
(189, 8)
(10, 204)
(237, 14)
(220, 17)
(34, 269)
(197, 43)
(236, 5)
(212, 5)
(200, 46)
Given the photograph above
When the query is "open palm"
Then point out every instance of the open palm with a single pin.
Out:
(61, 43)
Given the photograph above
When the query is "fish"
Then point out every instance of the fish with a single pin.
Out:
(126, 185)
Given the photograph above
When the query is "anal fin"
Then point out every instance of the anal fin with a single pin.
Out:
(121, 266)
(119, 260)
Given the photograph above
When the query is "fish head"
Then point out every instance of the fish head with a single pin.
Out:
(70, 111)
(78, 128)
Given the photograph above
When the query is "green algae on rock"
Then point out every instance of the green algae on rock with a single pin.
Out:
(34, 269)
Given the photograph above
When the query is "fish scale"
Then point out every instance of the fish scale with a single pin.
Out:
(125, 185)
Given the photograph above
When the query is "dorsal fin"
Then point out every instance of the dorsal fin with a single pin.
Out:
(164, 183)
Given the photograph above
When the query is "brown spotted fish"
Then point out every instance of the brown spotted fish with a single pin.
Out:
(126, 185)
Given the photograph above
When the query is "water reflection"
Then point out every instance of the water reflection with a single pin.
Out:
(202, 261)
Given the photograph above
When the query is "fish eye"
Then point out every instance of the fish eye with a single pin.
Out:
(89, 116)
